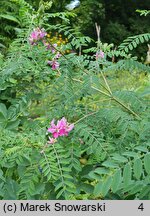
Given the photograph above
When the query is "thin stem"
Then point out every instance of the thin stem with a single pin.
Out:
(98, 28)
(104, 93)
(127, 108)
(113, 98)
(58, 51)
(108, 87)
(104, 87)
(93, 113)
(106, 83)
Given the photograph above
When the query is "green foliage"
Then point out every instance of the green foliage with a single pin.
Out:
(125, 175)
(76, 39)
(8, 118)
(130, 65)
(132, 42)
(143, 12)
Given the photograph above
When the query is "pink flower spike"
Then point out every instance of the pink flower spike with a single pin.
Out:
(49, 62)
(36, 35)
(52, 123)
(57, 56)
(42, 33)
(55, 65)
(100, 54)
(62, 122)
(46, 44)
(53, 48)
(61, 129)
(51, 130)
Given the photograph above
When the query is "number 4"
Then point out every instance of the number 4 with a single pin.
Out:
(141, 207)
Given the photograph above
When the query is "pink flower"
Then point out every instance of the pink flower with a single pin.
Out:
(46, 44)
(58, 55)
(61, 129)
(54, 64)
(42, 33)
(69, 128)
(99, 54)
(37, 35)
(54, 129)
(53, 48)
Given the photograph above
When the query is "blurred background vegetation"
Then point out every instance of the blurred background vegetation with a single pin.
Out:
(118, 19)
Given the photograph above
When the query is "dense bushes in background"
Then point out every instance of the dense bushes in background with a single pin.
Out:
(117, 19)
